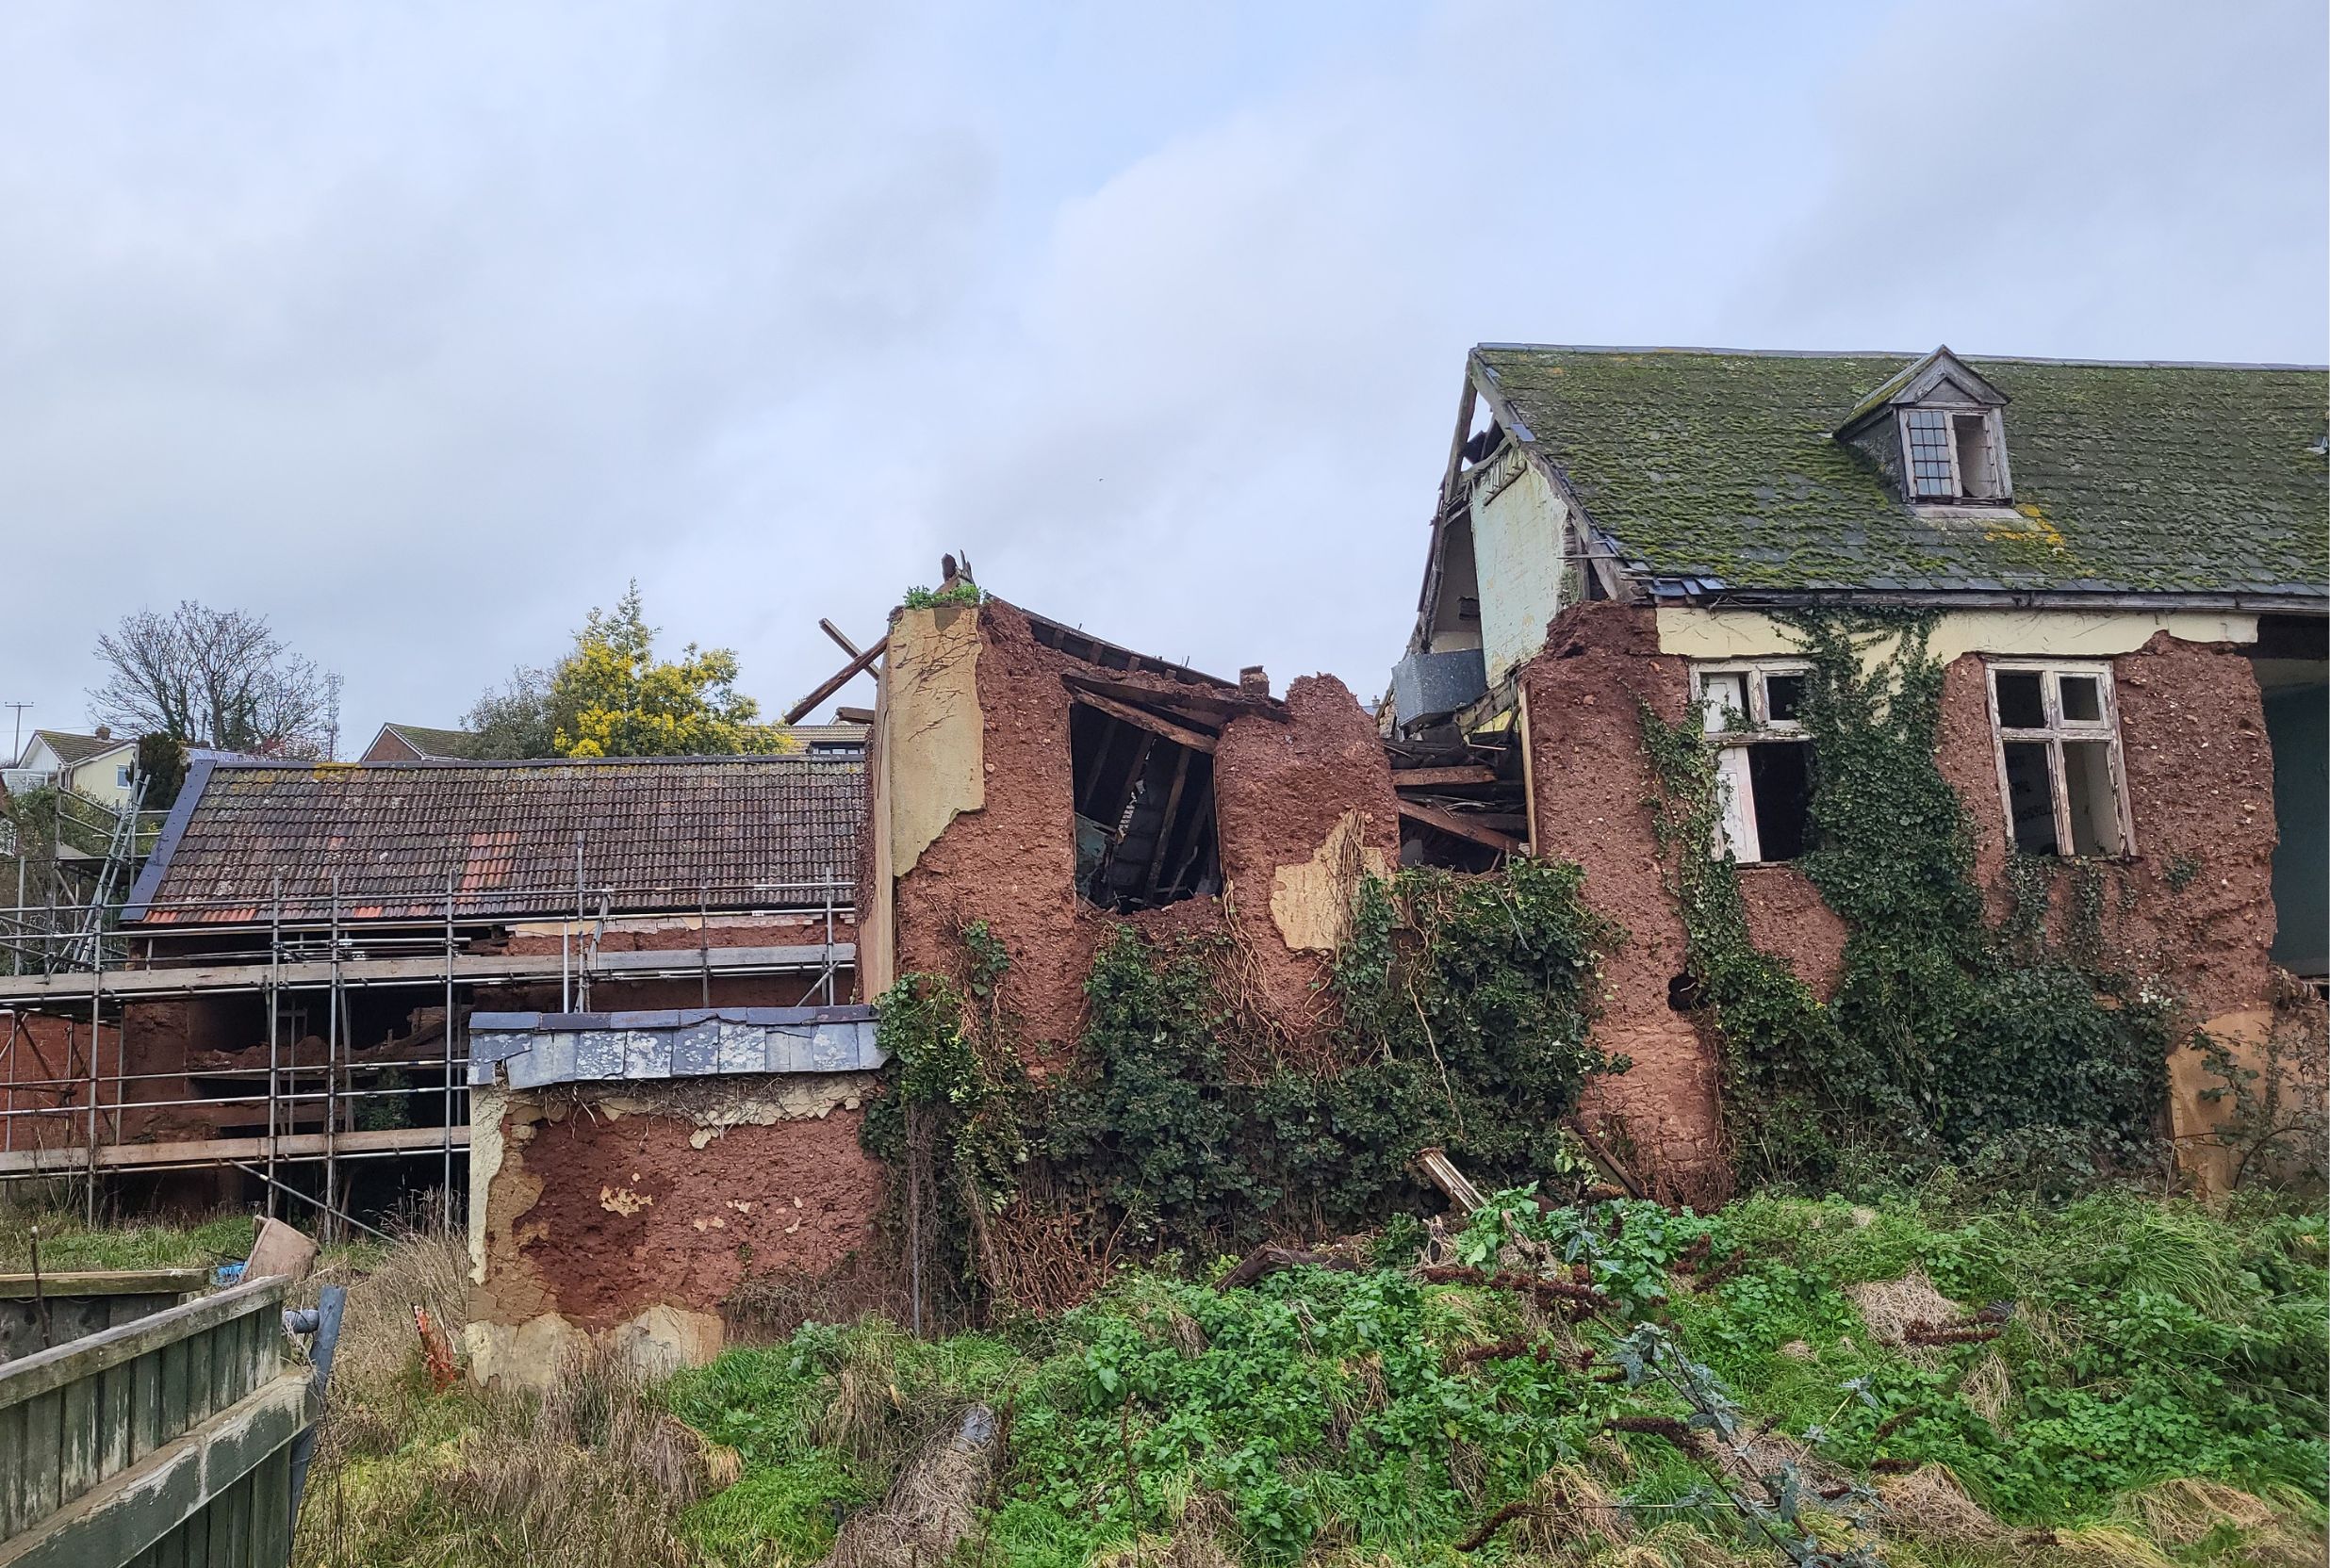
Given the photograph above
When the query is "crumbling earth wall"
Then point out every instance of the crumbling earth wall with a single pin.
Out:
(627, 1215)
(2193, 907)
(1308, 789)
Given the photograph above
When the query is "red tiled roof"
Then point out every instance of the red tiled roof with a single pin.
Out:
(656, 833)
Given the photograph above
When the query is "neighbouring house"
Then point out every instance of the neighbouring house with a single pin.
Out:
(2123, 567)
(102, 767)
(615, 995)
(412, 743)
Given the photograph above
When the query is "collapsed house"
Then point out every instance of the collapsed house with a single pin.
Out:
(2122, 571)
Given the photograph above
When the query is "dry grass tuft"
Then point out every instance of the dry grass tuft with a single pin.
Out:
(427, 1267)
(1930, 1504)
(1889, 1307)
(2104, 1547)
(931, 1508)
(1987, 1387)
(1567, 1509)
(2182, 1512)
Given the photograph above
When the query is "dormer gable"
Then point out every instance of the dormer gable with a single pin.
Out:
(1938, 430)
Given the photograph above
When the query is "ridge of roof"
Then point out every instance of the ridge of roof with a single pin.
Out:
(487, 763)
(1893, 353)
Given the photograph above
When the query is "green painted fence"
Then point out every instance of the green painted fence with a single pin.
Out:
(163, 1443)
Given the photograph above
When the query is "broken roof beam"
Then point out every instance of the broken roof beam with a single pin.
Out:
(1461, 826)
(1138, 718)
(1441, 778)
(1202, 707)
(847, 673)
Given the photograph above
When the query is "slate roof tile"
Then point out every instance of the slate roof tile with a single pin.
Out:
(2129, 478)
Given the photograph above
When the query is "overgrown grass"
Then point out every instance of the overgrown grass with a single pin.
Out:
(67, 1241)
(2153, 1392)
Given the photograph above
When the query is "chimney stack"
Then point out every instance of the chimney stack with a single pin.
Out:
(1255, 681)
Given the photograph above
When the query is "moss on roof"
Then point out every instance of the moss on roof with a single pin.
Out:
(2127, 478)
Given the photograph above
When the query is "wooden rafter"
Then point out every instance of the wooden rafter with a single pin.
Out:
(1459, 825)
(1430, 778)
(1178, 734)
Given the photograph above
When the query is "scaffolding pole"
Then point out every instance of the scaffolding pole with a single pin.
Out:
(96, 998)
(331, 1078)
(274, 1036)
(449, 1050)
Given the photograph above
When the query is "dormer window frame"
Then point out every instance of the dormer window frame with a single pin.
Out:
(1952, 413)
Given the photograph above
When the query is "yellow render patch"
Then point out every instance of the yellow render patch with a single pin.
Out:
(710, 1223)
(485, 1153)
(2058, 633)
(1310, 902)
(2197, 1125)
(623, 1200)
(933, 741)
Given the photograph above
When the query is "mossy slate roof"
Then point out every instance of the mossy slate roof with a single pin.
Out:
(1716, 469)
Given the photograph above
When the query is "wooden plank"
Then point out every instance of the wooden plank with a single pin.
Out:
(15, 1457)
(1178, 734)
(1165, 825)
(835, 633)
(45, 1448)
(1449, 822)
(121, 1157)
(76, 1469)
(145, 1405)
(199, 1389)
(177, 1364)
(117, 1399)
(1218, 704)
(75, 990)
(35, 1375)
(834, 683)
(1435, 778)
(108, 1281)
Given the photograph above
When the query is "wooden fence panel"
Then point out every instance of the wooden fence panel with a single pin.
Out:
(161, 1442)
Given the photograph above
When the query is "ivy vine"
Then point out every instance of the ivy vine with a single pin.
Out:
(1944, 1036)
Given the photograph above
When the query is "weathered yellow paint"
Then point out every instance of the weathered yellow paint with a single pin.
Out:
(486, 1151)
(2041, 633)
(659, 1341)
(1516, 546)
(2197, 1124)
(1310, 901)
(933, 741)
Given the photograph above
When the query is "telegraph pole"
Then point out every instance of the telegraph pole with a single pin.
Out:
(16, 746)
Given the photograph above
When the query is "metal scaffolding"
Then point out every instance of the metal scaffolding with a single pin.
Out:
(70, 1118)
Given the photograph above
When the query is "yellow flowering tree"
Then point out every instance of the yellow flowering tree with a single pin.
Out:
(610, 697)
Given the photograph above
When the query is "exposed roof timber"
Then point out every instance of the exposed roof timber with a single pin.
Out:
(1444, 778)
(1202, 707)
(1180, 735)
(1455, 822)
(1093, 650)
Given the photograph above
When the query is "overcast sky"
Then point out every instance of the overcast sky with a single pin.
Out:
(422, 328)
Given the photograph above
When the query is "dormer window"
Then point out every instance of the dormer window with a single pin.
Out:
(1935, 427)
(1953, 454)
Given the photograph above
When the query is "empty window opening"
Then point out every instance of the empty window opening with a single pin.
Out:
(1978, 461)
(1684, 992)
(1763, 766)
(2059, 761)
(1144, 809)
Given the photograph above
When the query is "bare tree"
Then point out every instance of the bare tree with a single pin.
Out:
(216, 677)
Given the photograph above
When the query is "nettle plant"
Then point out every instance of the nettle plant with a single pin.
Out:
(1944, 1036)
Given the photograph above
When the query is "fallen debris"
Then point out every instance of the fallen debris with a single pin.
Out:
(931, 1507)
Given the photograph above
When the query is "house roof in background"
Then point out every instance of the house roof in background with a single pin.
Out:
(656, 833)
(73, 750)
(1716, 469)
(447, 744)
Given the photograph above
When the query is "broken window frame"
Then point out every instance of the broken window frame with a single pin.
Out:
(2053, 732)
(1994, 432)
(1188, 821)
(1738, 831)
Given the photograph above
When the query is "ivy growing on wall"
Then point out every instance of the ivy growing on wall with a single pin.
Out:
(1944, 1036)
(1467, 1003)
